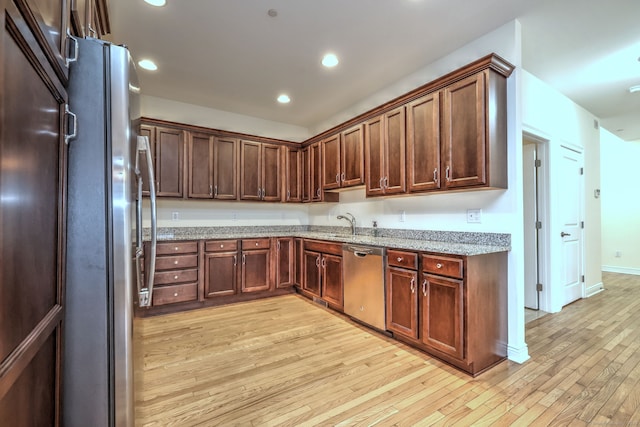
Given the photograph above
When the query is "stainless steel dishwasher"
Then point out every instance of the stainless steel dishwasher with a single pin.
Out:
(363, 273)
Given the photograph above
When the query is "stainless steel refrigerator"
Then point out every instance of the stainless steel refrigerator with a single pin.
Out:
(104, 244)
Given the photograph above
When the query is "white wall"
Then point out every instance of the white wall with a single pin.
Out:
(620, 204)
(551, 116)
(166, 109)
(501, 209)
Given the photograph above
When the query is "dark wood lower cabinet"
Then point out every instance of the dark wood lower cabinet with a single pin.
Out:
(332, 284)
(442, 315)
(312, 278)
(255, 270)
(220, 273)
(402, 302)
(285, 262)
(322, 278)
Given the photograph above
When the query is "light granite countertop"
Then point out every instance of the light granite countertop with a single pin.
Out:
(445, 242)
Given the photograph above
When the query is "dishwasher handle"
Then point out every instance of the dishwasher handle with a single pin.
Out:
(363, 251)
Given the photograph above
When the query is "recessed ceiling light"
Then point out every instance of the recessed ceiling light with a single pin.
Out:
(148, 64)
(330, 60)
(284, 99)
(157, 3)
(635, 88)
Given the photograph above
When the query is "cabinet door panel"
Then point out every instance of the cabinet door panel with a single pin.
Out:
(331, 162)
(271, 158)
(402, 302)
(285, 271)
(293, 187)
(200, 166)
(169, 162)
(395, 181)
(423, 143)
(316, 173)
(250, 170)
(299, 261)
(51, 18)
(220, 274)
(352, 156)
(225, 169)
(255, 270)
(442, 314)
(332, 288)
(464, 135)
(374, 156)
(305, 158)
(311, 281)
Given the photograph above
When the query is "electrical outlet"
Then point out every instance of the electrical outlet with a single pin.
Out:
(618, 254)
(234, 216)
(175, 216)
(474, 216)
(403, 216)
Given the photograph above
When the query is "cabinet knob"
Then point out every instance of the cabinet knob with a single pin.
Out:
(438, 265)
(257, 243)
(175, 277)
(176, 248)
(222, 246)
(175, 262)
(399, 259)
(175, 294)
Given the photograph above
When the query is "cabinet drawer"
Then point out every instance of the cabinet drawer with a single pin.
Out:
(176, 262)
(402, 259)
(175, 293)
(175, 276)
(221, 246)
(248, 244)
(444, 266)
(168, 248)
(324, 247)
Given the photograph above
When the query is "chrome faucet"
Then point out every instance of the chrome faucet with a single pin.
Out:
(352, 221)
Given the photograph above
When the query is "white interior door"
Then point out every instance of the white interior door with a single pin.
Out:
(570, 214)
(530, 230)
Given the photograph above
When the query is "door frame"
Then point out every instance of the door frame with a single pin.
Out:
(543, 195)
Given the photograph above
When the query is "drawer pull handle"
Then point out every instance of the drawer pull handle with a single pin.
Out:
(399, 259)
(175, 262)
(175, 294)
(438, 265)
(175, 277)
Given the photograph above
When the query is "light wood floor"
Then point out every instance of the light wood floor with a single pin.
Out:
(287, 361)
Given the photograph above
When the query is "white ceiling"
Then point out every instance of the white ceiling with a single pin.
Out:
(230, 55)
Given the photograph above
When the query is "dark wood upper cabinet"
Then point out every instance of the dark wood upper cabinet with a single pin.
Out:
(385, 153)
(331, 162)
(305, 159)
(464, 137)
(352, 156)
(200, 166)
(423, 143)
(342, 159)
(250, 170)
(293, 185)
(89, 18)
(169, 167)
(260, 171)
(271, 172)
(225, 168)
(474, 152)
(315, 173)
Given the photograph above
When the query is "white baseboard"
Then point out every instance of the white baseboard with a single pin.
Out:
(623, 270)
(594, 289)
(518, 354)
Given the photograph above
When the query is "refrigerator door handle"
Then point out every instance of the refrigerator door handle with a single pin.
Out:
(145, 293)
